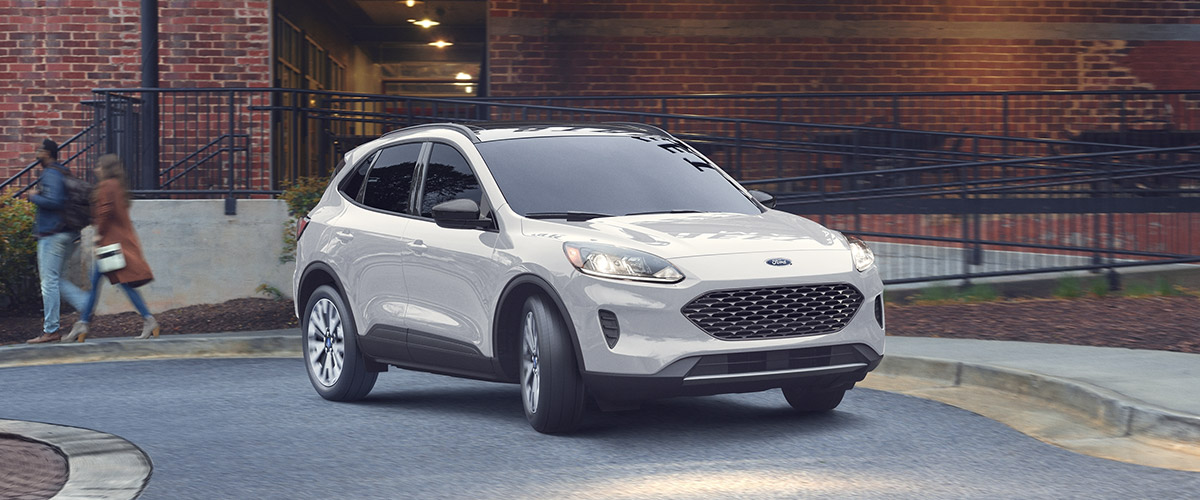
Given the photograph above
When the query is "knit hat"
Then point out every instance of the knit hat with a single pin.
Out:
(51, 147)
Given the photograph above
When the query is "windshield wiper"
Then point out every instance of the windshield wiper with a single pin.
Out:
(570, 216)
(667, 212)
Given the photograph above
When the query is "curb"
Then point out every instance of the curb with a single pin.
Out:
(265, 344)
(1106, 409)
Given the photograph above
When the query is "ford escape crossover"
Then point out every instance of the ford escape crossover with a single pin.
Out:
(603, 262)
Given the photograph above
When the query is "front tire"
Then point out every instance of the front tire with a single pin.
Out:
(336, 367)
(806, 401)
(551, 387)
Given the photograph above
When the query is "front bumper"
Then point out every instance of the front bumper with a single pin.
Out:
(815, 368)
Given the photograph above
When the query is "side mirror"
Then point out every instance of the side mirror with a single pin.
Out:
(763, 197)
(459, 213)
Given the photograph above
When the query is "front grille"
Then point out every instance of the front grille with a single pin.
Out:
(774, 312)
(757, 362)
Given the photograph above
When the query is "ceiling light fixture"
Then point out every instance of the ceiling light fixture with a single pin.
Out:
(424, 23)
(441, 44)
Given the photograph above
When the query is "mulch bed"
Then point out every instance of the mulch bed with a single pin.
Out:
(1163, 323)
(231, 316)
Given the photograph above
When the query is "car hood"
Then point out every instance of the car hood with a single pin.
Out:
(690, 235)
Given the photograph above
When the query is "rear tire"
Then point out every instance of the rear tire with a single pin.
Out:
(807, 401)
(336, 367)
(551, 387)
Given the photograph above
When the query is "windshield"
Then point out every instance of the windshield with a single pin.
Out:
(596, 176)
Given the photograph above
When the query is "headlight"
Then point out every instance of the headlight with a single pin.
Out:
(863, 257)
(621, 263)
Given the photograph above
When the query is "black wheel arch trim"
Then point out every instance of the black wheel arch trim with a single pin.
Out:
(327, 269)
(372, 364)
(548, 291)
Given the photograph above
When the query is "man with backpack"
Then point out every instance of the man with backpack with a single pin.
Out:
(57, 238)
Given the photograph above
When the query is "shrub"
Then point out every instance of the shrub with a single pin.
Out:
(1098, 287)
(300, 198)
(935, 294)
(980, 293)
(1138, 289)
(18, 251)
(1068, 288)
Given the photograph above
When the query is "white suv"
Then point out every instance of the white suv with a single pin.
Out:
(602, 261)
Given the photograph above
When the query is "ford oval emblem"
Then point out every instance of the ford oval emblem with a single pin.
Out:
(779, 262)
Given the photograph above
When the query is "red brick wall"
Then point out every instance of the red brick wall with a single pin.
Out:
(54, 52)
(710, 46)
(1025, 11)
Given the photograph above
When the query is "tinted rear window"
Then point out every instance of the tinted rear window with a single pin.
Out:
(389, 184)
(614, 175)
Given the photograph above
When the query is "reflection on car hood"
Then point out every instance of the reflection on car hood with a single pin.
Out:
(690, 235)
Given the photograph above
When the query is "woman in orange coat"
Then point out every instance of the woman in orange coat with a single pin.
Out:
(110, 217)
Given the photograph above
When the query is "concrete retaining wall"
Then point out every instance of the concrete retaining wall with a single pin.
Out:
(199, 255)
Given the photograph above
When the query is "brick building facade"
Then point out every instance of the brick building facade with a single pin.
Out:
(53, 52)
(708, 46)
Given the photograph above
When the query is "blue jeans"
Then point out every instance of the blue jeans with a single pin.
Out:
(135, 298)
(52, 254)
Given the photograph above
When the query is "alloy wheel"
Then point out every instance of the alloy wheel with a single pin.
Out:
(326, 342)
(531, 380)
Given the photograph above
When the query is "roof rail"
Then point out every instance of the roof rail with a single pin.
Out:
(644, 127)
(457, 127)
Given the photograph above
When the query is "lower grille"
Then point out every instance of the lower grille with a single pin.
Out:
(774, 312)
(757, 362)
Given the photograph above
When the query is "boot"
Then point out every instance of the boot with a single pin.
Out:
(45, 337)
(149, 328)
(79, 331)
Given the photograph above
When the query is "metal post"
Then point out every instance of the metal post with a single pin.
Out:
(1114, 280)
(966, 227)
(663, 107)
(1004, 120)
(738, 149)
(977, 254)
(148, 177)
(230, 201)
(896, 111)
(779, 138)
(110, 143)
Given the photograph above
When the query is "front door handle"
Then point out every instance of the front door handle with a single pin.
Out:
(418, 246)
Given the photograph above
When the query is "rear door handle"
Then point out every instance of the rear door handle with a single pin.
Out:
(418, 246)
(344, 236)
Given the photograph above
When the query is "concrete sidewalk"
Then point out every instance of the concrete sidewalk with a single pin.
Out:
(1130, 405)
(1136, 406)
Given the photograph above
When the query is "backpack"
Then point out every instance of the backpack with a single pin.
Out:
(77, 213)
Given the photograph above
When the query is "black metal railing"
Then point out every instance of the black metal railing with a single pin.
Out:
(1088, 211)
(983, 194)
(72, 153)
(1147, 117)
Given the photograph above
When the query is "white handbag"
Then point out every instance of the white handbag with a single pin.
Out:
(109, 258)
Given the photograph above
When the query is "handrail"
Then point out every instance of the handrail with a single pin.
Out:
(222, 149)
(29, 168)
(986, 186)
(193, 154)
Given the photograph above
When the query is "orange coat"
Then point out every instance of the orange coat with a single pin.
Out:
(110, 216)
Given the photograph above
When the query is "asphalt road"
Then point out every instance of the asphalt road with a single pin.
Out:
(228, 428)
